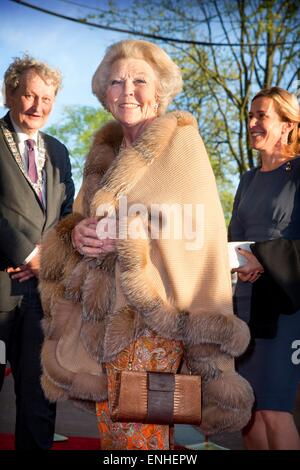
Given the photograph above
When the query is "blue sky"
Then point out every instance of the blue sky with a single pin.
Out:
(73, 48)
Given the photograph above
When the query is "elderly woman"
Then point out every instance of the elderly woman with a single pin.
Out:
(156, 289)
(266, 210)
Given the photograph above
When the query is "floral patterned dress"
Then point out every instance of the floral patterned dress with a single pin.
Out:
(153, 353)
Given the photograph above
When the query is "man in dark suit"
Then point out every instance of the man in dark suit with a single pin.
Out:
(36, 190)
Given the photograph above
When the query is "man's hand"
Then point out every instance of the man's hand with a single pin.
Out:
(26, 271)
(21, 273)
(86, 241)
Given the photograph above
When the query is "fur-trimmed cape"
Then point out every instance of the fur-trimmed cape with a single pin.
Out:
(176, 288)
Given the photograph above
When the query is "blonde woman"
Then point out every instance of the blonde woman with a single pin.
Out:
(267, 207)
(147, 295)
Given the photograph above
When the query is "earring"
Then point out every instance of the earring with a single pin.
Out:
(155, 105)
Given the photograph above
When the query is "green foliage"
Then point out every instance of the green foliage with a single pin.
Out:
(227, 197)
(76, 130)
(219, 81)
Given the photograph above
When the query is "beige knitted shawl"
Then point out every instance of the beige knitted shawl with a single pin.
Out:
(177, 282)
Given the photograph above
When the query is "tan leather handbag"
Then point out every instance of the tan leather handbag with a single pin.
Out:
(156, 397)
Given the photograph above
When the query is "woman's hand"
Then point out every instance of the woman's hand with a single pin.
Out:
(86, 241)
(252, 270)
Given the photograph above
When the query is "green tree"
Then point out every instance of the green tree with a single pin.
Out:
(76, 129)
(261, 47)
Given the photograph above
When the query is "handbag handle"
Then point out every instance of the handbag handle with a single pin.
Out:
(186, 362)
(131, 357)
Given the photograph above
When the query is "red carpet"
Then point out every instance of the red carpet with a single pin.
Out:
(73, 443)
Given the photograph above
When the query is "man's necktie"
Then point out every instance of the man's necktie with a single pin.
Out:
(32, 169)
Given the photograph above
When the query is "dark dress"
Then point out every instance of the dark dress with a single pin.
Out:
(266, 207)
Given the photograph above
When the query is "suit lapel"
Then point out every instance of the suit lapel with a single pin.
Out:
(11, 140)
(49, 182)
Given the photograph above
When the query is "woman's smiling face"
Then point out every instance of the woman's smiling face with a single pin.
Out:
(266, 127)
(131, 92)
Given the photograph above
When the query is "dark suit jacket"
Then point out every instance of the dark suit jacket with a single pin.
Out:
(23, 220)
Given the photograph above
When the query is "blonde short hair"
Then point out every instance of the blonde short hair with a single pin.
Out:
(22, 64)
(169, 79)
(287, 107)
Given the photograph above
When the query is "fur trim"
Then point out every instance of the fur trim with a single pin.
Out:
(119, 332)
(79, 385)
(66, 225)
(98, 289)
(74, 281)
(84, 387)
(52, 391)
(203, 360)
(45, 325)
(105, 147)
(229, 332)
(57, 248)
(52, 246)
(89, 387)
(51, 292)
(71, 261)
(89, 187)
(92, 337)
(227, 404)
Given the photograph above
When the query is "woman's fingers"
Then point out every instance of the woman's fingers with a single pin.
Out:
(84, 235)
(86, 240)
(92, 252)
(249, 277)
(246, 253)
(255, 276)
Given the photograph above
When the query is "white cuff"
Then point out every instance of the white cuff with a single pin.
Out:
(31, 255)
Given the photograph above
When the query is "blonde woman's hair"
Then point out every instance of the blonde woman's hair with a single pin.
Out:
(22, 64)
(287, 107)
(169, 79)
